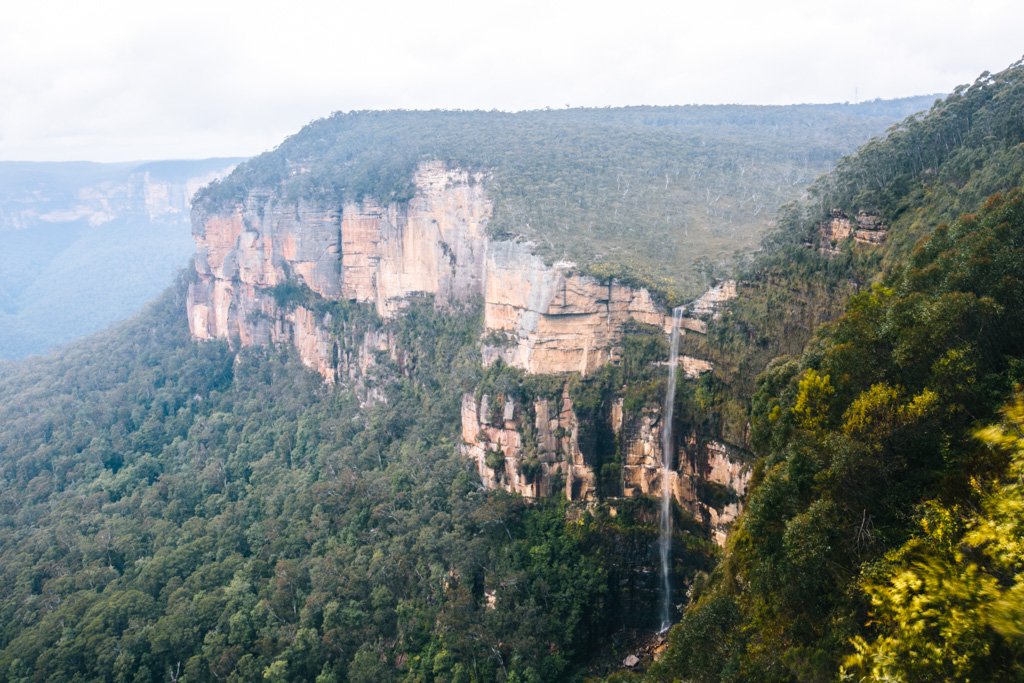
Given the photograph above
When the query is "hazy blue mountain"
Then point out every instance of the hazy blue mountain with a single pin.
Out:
(84, 244)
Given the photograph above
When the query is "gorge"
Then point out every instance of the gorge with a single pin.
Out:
(408, 414)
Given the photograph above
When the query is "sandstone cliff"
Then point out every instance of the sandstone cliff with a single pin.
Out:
(865, 229)
(535, 450)
(530, 449)
(545, 318)
(538, 317)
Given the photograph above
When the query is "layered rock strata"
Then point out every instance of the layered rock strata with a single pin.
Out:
(557, 320)
(866, 228)
(534, 450)
(698, 463)
(538, 317)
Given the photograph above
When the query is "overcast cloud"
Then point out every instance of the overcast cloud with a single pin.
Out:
(114, 80)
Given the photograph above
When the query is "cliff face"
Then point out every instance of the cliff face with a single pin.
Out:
(708, 478)
(545, 318)
(436, 244)
(537, 317)
(532, 450)
(535, 450)
(866, 229)
(558, 321)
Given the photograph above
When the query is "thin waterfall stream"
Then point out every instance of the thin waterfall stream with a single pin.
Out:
(665, 521)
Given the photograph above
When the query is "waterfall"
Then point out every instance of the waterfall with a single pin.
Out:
(665, 521)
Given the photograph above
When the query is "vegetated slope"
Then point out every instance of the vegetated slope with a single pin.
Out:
(876, 517)
(87, 244)
(928, 170)
(639, 192)
(168, 510)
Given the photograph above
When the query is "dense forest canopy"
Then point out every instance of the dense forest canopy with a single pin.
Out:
(170, 510)
(639, 192)
(928, 170)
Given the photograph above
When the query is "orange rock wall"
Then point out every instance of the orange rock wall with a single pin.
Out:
(554, 320)
(538, 317)
(546, 433)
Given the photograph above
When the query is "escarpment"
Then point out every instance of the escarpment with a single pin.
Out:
(540, 448)
(865, 229)
(275, 270)
(532, 449)
(547, 318)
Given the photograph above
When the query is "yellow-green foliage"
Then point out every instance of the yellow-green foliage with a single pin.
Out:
(950, 603)
(878, 411)
(933, 344)
(874, 408)
(875, 418)
(812, 401)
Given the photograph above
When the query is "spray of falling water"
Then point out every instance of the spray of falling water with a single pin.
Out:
(665, 521)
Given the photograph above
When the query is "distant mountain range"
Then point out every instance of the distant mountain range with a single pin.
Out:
(84, 244)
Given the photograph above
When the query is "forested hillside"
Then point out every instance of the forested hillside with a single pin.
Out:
(928, 170)
(881, 535)
(659, 195)
(171, 509)
(170, 512)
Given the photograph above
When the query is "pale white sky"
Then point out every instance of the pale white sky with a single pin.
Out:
(114, 79)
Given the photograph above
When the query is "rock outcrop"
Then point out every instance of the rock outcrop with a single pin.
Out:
(867, 228)
(705, 307)
(835, 229)
(709, 478)
(532, 450)
(558, 321)
(715, 464)
(547, 318)
(694, 367)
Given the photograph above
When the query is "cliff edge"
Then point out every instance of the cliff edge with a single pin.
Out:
(540, 318)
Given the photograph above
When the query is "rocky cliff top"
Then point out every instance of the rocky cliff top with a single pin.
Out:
(640, 192)
(537, 317)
